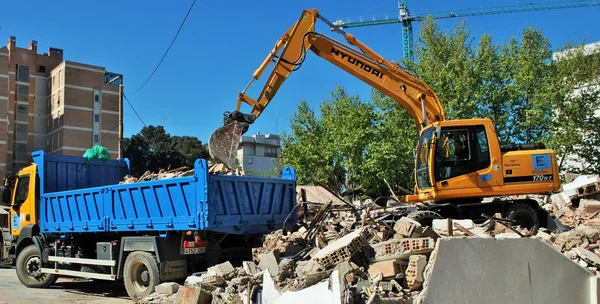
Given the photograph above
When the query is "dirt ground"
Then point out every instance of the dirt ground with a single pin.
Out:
(66, 291)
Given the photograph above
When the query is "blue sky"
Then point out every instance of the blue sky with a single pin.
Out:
(223, 42)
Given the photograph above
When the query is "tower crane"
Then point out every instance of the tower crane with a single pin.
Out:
(405, 18)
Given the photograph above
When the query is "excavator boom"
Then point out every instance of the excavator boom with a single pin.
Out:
(360, 61)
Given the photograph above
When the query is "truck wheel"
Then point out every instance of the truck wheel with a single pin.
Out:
(141, 274)
(524, 215)
(424, 217)
(29, 269)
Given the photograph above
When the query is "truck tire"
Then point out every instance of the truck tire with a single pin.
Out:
(28, 266)
(424, 217)
(524, 215)
(141, 274)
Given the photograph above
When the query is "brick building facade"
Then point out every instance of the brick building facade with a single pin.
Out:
(50, 104)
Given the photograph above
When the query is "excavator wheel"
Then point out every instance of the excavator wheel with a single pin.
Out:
(424, 217)
(524, 215)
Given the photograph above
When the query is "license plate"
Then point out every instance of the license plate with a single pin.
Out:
(196, 250)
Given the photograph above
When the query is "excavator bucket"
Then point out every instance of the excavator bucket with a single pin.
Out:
(224, 141)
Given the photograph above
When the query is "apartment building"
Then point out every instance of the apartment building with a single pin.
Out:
(50, 104)
(571, 160)
(259, 153)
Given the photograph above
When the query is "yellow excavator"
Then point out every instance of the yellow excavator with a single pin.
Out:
(458, 162)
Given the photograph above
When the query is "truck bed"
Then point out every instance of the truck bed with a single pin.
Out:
(79, 196)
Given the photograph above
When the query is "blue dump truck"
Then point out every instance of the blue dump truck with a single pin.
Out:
(71, 216)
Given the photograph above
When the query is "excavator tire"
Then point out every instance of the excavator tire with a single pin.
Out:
(424, 217)
(524, 215)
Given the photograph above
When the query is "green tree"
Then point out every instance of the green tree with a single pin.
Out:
(348, 123)
(154, 149)
(307, 149)
(390, 154)
(508, 84)
(576, 95)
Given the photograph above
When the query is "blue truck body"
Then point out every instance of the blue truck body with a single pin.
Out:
(81, 196)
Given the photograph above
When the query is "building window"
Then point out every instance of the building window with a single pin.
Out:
(58, 138)
(42, 69)
(22, 112)
(95, 138)
(96, 118)
(59, 72)
(21, 152)
(48, 122)
(22, 73)
(22, 92)
(97, 97)
(47, 141)
(270, 152)
(58, 99)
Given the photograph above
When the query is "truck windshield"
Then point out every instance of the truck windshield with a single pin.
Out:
(423, 149)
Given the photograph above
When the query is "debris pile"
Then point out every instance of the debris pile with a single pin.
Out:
(177, 172)
(162, 174)
(340, 254)
(578, 202)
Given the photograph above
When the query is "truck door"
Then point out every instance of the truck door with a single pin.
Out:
(23, 210)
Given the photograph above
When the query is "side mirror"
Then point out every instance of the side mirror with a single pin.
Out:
(6, 196)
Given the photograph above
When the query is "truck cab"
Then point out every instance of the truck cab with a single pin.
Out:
(21, 195)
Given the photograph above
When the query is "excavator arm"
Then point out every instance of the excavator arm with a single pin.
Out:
(360, 61)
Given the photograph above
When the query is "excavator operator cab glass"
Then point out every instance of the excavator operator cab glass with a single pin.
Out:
(460, 151)
(422, 165)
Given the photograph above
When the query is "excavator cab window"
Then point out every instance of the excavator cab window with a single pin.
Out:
(423, 177)
(460, 151)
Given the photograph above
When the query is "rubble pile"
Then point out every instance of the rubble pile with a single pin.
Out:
(162, 174)
(346, 255)
(177, 172)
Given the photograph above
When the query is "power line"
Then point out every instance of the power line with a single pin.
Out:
(108, 132)
(173, 41)
(136, 113)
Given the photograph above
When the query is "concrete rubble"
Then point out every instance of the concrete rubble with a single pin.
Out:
(340, 254)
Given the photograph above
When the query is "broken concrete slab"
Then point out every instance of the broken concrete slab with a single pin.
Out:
(286, 269)
(442, 224)
(157, 298)
(224, 270)
(304, 268)
(587, 256)
(167, 288)
(507, 235)
(268, 261)
(406, 227)
(589, 205)
(192, 295)
(249, 267)
(516, 268)
(215, 280)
